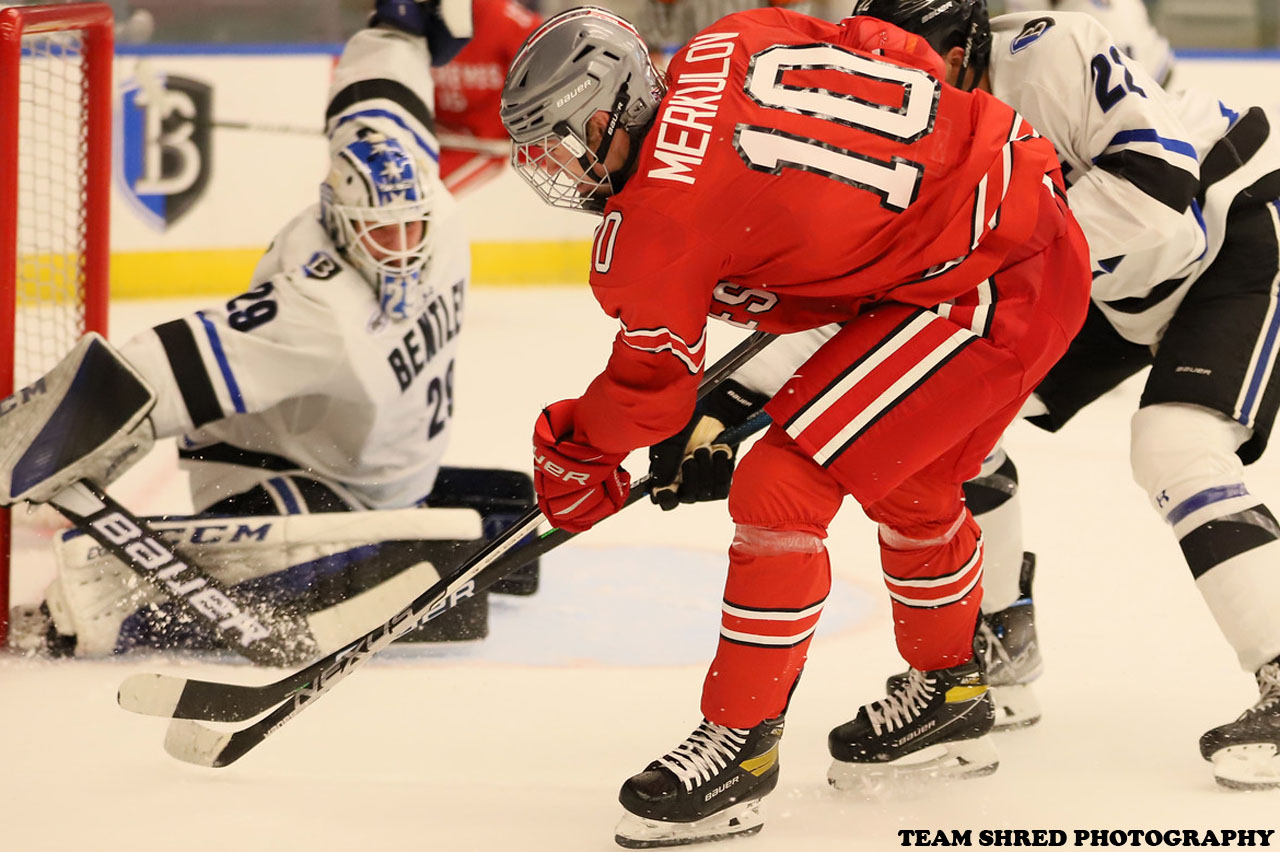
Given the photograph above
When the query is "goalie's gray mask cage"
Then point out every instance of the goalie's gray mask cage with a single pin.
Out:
(578, 63)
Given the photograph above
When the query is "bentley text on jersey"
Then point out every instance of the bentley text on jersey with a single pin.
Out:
(685, 127)
(438, 324)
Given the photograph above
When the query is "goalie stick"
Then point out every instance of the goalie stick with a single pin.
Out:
(192, 742)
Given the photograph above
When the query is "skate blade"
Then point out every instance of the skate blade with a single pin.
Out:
(1016, 706)
(960, 759)
(1255, 766)
(634, 832)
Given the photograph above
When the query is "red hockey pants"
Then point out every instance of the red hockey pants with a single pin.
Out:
(898, 409)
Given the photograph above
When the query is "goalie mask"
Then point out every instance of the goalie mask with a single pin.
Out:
(376, 206)
(578, 63)
(944, 24)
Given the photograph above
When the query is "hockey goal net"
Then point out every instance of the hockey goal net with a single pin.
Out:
(55, 152)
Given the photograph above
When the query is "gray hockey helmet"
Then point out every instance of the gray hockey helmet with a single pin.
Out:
(578, 63)
(944, 24)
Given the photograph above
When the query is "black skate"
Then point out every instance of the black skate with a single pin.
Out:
(708, 788)
(935, 726)
(1246, 753)
(1006, 641)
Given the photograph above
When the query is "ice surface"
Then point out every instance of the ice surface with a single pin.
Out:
(520, 743)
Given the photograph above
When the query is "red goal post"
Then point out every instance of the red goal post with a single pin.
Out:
(55, 166)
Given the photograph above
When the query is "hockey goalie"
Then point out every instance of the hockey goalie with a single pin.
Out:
(312, 411)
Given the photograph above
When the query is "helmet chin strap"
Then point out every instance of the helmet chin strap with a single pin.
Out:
(968, 65)
(618, 176)
(620, 102)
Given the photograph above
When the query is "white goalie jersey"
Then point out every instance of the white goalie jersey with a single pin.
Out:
(1130, 154)
(303, 371)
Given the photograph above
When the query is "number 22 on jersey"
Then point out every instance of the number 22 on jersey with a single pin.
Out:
(895, 180)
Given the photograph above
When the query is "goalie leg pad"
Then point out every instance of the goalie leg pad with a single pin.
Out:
(306, 563)
(501, 497)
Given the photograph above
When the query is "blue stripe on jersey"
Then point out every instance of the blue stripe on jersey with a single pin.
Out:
(286, 496)
(1229, 114)
(1207, 497)
(1262, 365)
(391, 116)
(1204, 229)
(1177, 146)
(215, 343)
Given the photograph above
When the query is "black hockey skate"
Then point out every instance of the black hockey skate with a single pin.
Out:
(1006, 641)
(707, 788)
(1246, 753)
(934, 726)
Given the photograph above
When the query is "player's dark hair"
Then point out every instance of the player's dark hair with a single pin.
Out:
(944, 24)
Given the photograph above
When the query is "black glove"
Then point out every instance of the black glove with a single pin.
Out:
(426, 18)
(692, 466)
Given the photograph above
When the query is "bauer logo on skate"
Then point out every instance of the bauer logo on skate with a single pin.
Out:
(1091, 837)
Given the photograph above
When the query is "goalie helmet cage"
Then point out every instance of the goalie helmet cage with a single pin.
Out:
(55, 162)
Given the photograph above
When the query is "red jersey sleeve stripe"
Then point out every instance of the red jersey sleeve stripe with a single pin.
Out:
(665, 340)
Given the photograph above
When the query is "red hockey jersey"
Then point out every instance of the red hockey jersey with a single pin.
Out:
(797, 171)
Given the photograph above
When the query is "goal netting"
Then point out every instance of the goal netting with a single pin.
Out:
(55, 148)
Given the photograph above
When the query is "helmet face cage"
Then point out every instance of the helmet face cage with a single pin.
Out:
(944, 24)
(563, 170)
(578, 63)
(377, 210)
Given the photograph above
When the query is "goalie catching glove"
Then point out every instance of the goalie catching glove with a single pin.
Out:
(693, 466)
(445, 24)
(577, 484)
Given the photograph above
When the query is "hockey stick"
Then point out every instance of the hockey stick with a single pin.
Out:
(258, 634)
(456, 141)
(153, 88)
(175, 697)
(195, 743)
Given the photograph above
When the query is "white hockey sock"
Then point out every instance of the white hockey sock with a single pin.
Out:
(1184, 456)
(992, 496)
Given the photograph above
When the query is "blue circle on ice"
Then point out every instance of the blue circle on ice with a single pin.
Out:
(625, 606)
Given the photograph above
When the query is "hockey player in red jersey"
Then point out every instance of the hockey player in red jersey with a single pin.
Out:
(794, 174)
(473, 143)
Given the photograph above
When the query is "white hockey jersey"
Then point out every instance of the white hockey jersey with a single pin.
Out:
(303, 371)
(1130, 156)
(1127, 21)
(384, 79)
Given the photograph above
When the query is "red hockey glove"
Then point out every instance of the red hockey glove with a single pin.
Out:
(577, 484)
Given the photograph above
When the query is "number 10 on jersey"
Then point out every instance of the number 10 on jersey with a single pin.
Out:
(895, 180)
